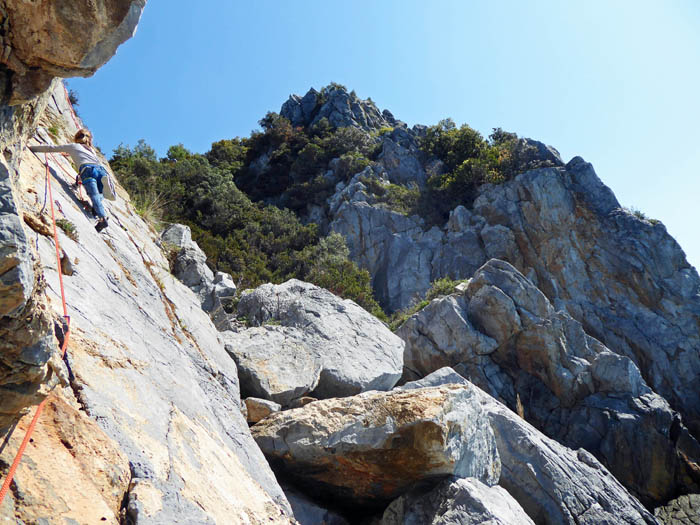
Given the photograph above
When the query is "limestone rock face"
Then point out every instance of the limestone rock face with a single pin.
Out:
(150, 369)
(623, 278)
(464, 501)
(400, 158)
(573, 388)
(370, 448)
(402, 255)
(47, 39)
(40, 40)
(28, 350)
(322, 345)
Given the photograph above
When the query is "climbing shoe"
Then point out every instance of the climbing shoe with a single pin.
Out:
(101, 225)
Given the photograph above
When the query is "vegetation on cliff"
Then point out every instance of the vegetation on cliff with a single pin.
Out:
(244, 198)
(254, 242)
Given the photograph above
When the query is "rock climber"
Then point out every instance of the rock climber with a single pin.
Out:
(90, 170)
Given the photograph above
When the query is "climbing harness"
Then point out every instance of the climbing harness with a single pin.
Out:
(66, 335)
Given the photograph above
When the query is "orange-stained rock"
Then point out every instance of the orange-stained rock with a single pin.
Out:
(70, 470)
(372, 447)
(61, 38)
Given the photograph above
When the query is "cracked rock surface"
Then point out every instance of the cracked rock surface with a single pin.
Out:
(150, 368)
(573, 388)
(684, 510)
(552, 483)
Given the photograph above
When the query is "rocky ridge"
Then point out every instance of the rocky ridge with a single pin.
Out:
(622, 277)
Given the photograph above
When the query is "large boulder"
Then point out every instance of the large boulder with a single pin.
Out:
(572, 387)
(460, 501)
(278, 363)
(553, 483)
(189, 264)
(47, 39)
(318, 343)
(441, 335)
(370, 448)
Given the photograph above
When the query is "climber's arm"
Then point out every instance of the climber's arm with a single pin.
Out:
(63, 148)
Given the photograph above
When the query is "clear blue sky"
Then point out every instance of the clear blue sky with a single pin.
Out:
(617, 83)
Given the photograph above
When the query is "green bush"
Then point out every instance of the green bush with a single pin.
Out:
(640, 215)
(470, 161)
(400, 316)
(68, 228)
(254, 242)
(296, 158)
(405, 200)
(438, 288)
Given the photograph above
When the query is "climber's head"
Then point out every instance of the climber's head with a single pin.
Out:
(83, 136)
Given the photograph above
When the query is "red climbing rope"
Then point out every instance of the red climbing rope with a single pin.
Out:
(70, 105)
(66, 335)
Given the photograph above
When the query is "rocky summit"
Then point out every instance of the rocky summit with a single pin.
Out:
(373, 324)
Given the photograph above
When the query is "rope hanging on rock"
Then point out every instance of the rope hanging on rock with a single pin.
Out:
(64, 347)
(70, 105)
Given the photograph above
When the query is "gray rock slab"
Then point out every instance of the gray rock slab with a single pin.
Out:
(151, 369)
(442, 376)
(460, 501)
(554, 484)
(355, 351)
(274, 362)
